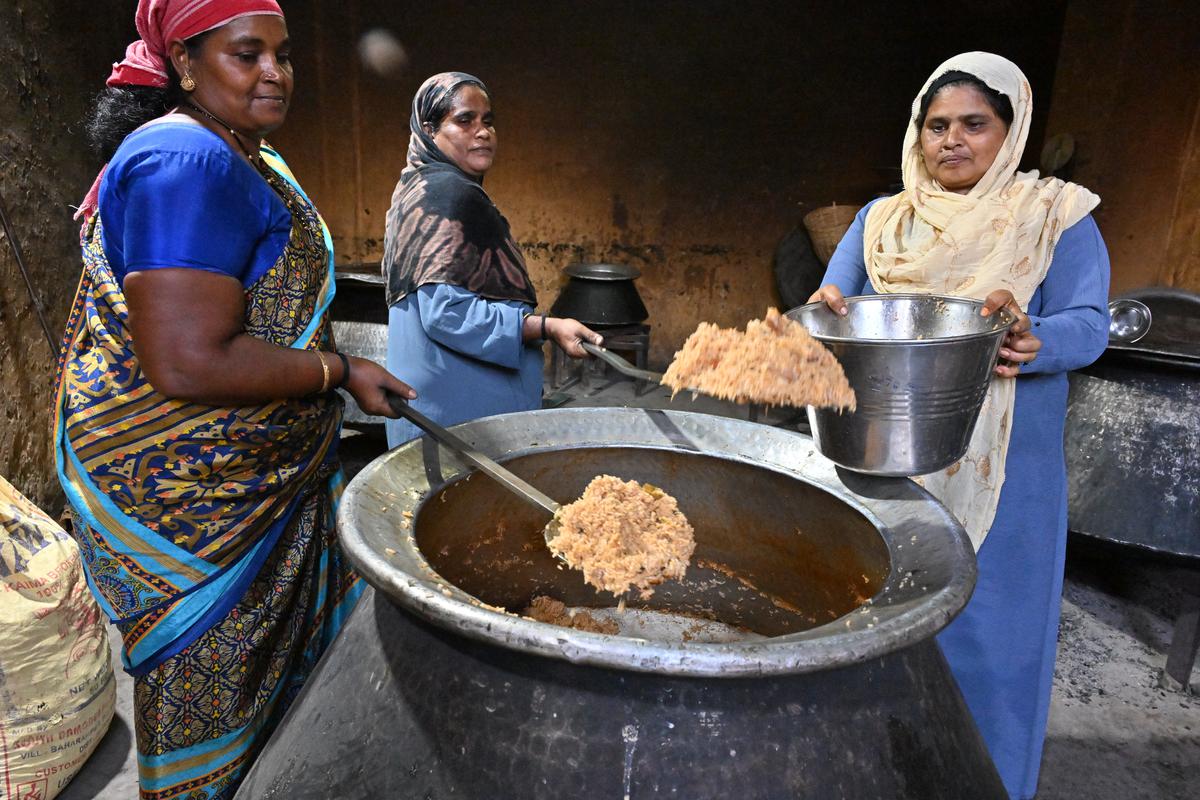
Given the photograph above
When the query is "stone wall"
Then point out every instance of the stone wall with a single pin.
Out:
(54, 56)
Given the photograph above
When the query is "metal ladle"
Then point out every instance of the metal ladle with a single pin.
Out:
(621, 365)
(755, 410)
(486, 465)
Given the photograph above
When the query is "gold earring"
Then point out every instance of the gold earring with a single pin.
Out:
(187, 84)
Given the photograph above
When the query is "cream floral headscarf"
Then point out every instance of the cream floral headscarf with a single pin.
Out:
(1000, 235)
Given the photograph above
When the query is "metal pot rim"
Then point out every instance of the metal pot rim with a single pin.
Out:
(1004, 314)
(917, 530)
(610, 272)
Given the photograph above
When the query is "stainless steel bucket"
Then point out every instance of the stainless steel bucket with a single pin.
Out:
(920, 365)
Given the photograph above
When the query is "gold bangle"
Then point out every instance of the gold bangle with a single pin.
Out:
(324, 372)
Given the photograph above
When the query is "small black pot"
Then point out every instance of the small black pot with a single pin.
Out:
(601, 294)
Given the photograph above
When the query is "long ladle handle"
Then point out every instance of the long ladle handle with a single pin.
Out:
(470, 454)
(620, 364)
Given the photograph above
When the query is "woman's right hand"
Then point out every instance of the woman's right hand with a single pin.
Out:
(369, 384)
(831, 296)
(568, 333)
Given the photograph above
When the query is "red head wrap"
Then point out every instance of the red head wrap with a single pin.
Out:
(162, 21)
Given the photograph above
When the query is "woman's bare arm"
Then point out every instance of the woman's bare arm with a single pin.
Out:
(187, 332)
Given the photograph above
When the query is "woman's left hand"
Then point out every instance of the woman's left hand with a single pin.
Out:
(1020, 346)
(568, 333)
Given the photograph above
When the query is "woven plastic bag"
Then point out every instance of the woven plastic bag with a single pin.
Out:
(57, 691)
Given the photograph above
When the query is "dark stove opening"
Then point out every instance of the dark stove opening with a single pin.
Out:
(774, 555)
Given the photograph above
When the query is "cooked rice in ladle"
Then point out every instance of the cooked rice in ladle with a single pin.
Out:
(624, 535)
(774, 362)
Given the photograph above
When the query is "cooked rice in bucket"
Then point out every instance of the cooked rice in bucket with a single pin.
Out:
(624, 535)
(774, 362)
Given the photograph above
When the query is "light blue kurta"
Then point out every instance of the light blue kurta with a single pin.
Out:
(1002, 647)
(463, 354)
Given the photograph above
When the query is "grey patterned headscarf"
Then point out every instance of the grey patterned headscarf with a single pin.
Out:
(442, 227)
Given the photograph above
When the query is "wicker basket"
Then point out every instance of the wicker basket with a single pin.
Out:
(826, 227)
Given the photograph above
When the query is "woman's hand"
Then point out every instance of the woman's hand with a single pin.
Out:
(831, 296)
(1019, 346)
(568, 333)
(369, 384)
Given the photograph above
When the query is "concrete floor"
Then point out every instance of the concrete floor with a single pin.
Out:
(111, 772)
(1113, 734)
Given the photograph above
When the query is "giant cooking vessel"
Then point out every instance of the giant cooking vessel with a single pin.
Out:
(1133, 434)
(794, 660)
(1133, 451)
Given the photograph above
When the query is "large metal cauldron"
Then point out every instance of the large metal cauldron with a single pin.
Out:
(920, 366)
(360, 317)
(822, 682)
(1133, 434)
(1133, 453)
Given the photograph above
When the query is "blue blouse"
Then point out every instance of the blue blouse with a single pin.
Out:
(174, 195)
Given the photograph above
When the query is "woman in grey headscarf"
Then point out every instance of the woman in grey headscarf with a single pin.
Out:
(460, 301)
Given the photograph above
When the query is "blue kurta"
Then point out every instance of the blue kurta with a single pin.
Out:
(463, 354)
(1002, 647)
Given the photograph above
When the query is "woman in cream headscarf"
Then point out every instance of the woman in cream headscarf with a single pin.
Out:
(968, 224)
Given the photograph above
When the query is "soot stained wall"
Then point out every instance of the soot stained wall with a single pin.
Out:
(53, 57)
(1128, 90)
(684, 138)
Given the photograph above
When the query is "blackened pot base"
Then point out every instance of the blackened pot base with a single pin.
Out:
(400, 708)
(436, 688)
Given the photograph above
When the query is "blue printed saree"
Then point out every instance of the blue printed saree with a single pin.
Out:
(207, 531)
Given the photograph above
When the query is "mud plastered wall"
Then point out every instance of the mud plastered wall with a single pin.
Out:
(53, 57)
(686, 139)
(1127, 91)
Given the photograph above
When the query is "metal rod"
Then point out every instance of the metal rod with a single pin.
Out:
(470, 454)
(37, 305)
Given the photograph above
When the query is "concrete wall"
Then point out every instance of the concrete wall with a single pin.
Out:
(1128, 90)
(685, 138)
(51, 62)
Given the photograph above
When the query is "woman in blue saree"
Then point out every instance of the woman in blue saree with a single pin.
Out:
(197, 428)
